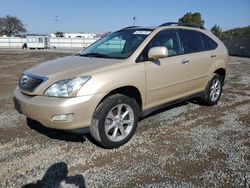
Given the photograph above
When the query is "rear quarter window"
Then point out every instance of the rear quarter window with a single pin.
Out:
(209, 44)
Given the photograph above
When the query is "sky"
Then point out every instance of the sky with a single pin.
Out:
(98, 16)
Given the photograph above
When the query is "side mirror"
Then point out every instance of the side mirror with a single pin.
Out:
(158, 52)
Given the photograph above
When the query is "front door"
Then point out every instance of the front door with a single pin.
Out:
(166, 78)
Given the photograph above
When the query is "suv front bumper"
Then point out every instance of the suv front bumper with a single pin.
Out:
(43, 109)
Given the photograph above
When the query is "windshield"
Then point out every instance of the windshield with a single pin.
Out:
(118, 45)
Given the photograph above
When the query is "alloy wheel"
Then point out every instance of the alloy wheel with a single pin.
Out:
(119, 122)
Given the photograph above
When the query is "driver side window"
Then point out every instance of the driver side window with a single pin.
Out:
(168, 38)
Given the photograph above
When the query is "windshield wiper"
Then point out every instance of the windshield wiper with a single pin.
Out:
(94, 55)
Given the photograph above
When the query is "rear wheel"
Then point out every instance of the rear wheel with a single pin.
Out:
(213, 91)
(115, 121)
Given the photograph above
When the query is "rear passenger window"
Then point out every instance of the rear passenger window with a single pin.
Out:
(209, 44)
(193, 41)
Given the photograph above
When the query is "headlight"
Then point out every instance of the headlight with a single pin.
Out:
(66, 88)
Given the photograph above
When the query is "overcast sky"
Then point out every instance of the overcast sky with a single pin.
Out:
(45, 16)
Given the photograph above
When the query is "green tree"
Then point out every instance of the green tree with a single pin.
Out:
(11, 25)
(1, 26)
(236, 32)
(192, 18)
(59, 34)
(217, 31)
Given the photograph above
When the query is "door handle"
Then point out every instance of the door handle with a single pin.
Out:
(185, 61)
(213, 56)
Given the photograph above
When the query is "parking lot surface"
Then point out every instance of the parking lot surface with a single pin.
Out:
(186, 145)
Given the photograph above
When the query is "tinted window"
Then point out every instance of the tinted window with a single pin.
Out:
(193, 41)
(209, 44)
(168, 38)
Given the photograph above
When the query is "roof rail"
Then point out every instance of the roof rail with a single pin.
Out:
(182, 24)
(168, 24)
(129, 27)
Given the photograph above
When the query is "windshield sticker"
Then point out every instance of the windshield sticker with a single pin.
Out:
(142, 32)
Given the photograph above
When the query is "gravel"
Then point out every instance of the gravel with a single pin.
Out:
(186, 145)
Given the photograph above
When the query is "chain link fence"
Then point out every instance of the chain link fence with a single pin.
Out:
(54, 42)
(238, 45)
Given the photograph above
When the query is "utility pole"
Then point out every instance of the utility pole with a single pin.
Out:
(56, 18)
(56, 24)
(134, 20)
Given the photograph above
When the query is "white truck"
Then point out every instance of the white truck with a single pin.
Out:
(37, 42)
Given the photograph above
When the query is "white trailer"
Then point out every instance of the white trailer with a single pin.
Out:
(37, 42)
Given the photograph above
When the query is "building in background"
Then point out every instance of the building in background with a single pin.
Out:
(77, 35)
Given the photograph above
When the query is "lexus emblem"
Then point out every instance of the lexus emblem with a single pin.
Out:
(23, 80)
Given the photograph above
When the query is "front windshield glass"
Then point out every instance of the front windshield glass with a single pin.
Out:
(117, 45)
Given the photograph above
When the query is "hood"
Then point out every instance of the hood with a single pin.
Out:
(71, 66)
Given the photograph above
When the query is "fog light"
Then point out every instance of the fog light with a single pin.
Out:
(62, 117)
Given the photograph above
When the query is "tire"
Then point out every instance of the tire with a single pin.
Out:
(211, 95)
(114, 121)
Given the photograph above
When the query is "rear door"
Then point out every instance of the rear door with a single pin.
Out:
(199, 59)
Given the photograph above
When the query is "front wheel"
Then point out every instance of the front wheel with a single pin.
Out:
(213, 91)
(115, 121)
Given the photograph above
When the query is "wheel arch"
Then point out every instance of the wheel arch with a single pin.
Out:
(128, 90)
(221, 72)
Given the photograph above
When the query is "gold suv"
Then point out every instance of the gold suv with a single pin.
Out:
(125, 75)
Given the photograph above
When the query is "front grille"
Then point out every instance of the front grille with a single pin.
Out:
(30, 82)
